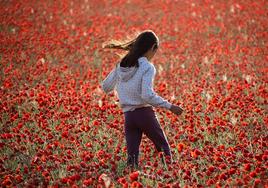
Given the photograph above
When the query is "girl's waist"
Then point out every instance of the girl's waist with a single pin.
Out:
(139, 108)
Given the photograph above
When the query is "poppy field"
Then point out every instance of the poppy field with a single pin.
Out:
(58, 128)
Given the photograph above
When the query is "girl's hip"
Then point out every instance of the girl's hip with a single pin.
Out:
(141, 113)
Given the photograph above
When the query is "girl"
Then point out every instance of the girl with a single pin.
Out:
(133, 79)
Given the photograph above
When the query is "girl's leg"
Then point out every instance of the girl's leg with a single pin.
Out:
(150, 126)
(133, 137)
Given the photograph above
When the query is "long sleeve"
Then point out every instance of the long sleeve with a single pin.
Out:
(148, 94)
(108, 84)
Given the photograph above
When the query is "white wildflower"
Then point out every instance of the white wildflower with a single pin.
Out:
(42, 60)
(224, 77)
(205, 94)
(160, 69)
(247, 78)
(236, 62)
(232, 9)
(100, 103)
(173, 97)
(233, 120)
(208, 96)
(205, 60)
(219, 17)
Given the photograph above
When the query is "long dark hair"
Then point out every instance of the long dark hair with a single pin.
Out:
(136, 47)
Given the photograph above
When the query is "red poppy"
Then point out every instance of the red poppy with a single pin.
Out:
(134, 176)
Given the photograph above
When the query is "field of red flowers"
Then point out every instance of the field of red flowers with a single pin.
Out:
(59, 129)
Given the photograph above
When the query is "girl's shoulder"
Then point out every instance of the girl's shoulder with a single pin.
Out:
(145, 64)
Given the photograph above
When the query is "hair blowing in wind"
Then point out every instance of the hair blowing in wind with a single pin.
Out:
(136, 47)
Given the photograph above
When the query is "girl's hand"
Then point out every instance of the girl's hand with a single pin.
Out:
(176, 109)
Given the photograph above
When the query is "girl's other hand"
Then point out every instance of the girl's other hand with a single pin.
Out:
(176, 109)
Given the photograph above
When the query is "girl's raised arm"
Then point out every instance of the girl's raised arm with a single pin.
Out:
(108, 84)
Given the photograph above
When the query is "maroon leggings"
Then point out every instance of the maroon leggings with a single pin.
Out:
(143, 120)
